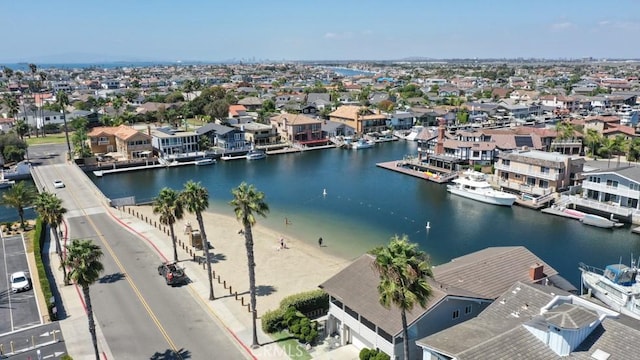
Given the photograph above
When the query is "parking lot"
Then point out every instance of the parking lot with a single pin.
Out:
(19, 310)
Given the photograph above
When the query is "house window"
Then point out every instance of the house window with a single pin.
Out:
(383, 334)
(506, 162)
(543, 184)
(476, 154)
(352, 313)
(468, 309)
(612, 183)
(367, 323)
(456, 314)
(531, 181)
(544, 169)
(634, 186)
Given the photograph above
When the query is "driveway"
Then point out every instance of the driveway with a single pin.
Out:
(17, 311)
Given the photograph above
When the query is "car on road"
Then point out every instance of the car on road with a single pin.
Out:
(58, 184)
(172, 273)
(20, 282)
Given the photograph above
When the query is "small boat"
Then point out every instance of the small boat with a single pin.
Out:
(617, 286)
(5, 183)
(205, 161)
(256, 155)
(599, 221)
(473, 185)
(362, 144)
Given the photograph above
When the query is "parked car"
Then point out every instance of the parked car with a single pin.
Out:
(173, 274)
(58, 184)
(20, 282)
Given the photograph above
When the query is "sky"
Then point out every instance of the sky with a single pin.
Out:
(248, 30)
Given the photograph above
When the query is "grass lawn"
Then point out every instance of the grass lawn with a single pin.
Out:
(49, 139)
(291, 346)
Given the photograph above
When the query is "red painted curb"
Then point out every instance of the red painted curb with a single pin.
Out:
(247, 349)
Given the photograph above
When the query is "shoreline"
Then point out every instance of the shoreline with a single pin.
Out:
(280, 272)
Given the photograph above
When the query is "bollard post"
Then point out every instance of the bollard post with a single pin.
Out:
(54, 335)
(236, 295)
(242, 300)
(194, 257)
(213, 272)
(11, 345)
(218, 279)
(1, 349)
(224, 283)
(230, 291)
(248, 307)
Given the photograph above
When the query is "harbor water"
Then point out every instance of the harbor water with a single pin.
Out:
(341, 196)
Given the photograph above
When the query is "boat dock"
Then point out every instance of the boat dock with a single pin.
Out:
(100, 173)
(558, 212)
(400, 166)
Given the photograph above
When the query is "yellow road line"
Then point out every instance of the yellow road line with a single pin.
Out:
(131, 283)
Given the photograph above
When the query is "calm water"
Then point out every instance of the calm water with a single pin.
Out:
(366, 205)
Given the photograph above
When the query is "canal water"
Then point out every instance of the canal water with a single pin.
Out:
(365, 205)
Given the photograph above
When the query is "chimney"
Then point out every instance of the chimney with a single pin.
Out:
(148, 130)
(536, 272)
(440, 144)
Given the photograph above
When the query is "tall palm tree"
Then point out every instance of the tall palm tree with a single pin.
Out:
(63, 100)
(593, 139)
(403, 270)
(169, 205)
(247, 203)
(565, 130)
(19, 196)
(621, 146)
(634, 149)
(50, 209)
(607, 147)
(83, 259)
(195, 198)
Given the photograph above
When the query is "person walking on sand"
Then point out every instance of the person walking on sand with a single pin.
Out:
(320, 242)
(281, 243)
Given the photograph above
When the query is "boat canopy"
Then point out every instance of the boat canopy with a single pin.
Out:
(621, 274)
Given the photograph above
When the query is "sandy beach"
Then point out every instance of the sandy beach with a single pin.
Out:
(280, 272)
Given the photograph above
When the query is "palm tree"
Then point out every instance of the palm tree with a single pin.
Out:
(63, 100)
(607, 147)
(634, 149)
(195, 199)
(50, 209)
(19, 196)
(169, 205)
(247, 203)
(83, 259)
(403, 271)
(593, 139)
(621, 146)
(565, 130)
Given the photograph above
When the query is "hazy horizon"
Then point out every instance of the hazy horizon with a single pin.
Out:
(76, 31)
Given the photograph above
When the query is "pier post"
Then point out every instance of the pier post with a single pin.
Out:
(230, 290)
(224, 283)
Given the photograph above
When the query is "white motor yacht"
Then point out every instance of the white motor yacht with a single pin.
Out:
(473, 185)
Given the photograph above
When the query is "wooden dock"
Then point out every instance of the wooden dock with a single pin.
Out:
(401, 167)
(100, 173)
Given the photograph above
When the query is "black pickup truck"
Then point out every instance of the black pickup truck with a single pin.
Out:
(172, 273)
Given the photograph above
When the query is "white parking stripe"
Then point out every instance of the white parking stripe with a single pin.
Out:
(6, 271)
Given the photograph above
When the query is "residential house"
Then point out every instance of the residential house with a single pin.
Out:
(122, 142)
(616, 191)
(448, 90)
(251, 103)
(627, 132)
(600, 123)
(110, 84)
(333, 128)
(92, 117)
(258, 134)
(6, 124)
(40, 118)
(378, 97)
(170, 143)
(299, 129)
(461, 289)
(401, 120)
(236, 111)
(227, 138)
(560, 102)
(533, 321)
(360, 118)
(533, 173)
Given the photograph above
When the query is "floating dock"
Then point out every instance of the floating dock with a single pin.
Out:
(100, 173)
(402, 167)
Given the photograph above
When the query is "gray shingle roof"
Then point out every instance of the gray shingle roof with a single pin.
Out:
(490, 272)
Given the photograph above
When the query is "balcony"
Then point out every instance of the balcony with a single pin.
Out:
(523, 188)
(615, 190)
(600, 206)
(537, 174)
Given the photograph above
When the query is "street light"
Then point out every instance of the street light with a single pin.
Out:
(66, 132)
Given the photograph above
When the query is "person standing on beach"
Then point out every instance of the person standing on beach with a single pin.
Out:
(320, 242)
(281, 243)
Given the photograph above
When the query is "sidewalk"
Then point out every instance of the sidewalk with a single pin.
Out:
(231, 313)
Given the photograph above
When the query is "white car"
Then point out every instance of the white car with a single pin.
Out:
(20, 282)
(58, 184)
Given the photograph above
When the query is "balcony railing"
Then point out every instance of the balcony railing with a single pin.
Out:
(523, 188)
(536, 174)
(601, 206)
(615, 190)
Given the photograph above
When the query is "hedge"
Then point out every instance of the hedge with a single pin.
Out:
(39, 237)
(306, 302)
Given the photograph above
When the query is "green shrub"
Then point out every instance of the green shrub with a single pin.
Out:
(272, 321)
(371, 354)
(38, 242)
(307, 302)
(300, 326)
(477, 168)
(66, 357)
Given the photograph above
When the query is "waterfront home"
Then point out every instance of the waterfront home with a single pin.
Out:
(615, 191)
(257, 133)
(360, 118)
(227, 138)
(461, 289)
(299, 129)
(122, 142)
(531, 321)
(569, 103)
(170, 143)
(332, 129)
(401, 120)
(600, 123)
(536, 174)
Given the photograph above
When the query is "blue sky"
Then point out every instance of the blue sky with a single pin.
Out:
(211, 30)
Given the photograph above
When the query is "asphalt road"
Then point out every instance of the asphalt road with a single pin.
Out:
(140, 316)
(25, 344)
(20, 310)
